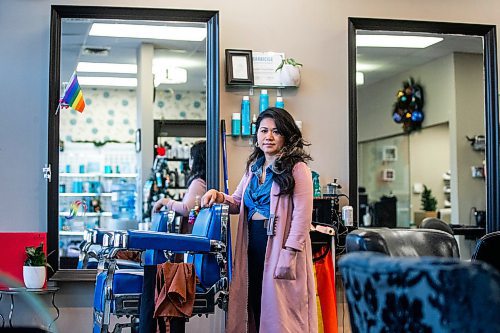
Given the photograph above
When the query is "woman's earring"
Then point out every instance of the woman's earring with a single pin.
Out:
(256, 144)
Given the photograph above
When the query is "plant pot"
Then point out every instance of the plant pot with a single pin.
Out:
(290, 75)
(34, 276)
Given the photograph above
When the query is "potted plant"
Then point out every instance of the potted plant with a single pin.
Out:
(35, 267)
(289, 72)
(429, 202)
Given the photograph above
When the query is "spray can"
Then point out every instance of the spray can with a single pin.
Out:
(348, 216)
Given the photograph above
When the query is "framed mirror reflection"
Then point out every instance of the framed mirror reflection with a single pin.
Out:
(428, 86)
(136, 68)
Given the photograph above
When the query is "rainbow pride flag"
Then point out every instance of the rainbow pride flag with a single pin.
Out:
(73, 95)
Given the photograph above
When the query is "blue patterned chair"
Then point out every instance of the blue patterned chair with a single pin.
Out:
(427, 294)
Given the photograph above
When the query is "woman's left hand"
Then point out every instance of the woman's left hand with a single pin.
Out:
(287, 265)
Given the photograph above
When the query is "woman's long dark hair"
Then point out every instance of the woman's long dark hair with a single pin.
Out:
(199, 157)
(291, 153)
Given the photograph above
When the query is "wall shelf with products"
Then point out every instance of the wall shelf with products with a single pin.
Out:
(94, 176)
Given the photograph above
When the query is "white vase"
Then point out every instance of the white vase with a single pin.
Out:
(290, 75)
(34, 276)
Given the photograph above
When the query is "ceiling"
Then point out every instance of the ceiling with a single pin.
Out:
(77, 45)
(388, 61)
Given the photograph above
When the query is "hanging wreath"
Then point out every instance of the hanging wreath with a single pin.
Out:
(408, 108)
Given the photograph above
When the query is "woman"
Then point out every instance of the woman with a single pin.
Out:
(196, 183)
(272, 289)
(196, 188)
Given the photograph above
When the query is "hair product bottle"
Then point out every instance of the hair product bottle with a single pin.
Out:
(236, 124)
(279, 102)
(263, 100)
(245, 116)
(254, 124)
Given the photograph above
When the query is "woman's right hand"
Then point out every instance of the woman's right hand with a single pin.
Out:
(159, 204)
(211, 197)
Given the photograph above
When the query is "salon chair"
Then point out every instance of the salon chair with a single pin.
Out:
(488, 249)
(119, 282)
(403, 242)
(429, 294)
(206, 248)
(437, 224)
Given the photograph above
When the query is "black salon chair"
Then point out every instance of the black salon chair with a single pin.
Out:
(403, 242)
(437, 224)
(488, 249)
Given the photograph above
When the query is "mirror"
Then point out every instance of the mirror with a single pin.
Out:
(457, 81)
(146, 86)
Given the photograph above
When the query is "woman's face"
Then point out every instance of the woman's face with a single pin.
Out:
(268, 137)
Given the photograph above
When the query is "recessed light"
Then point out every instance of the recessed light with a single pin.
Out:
(102, 67)
(418, 42)
(107, 81)
(148, 31)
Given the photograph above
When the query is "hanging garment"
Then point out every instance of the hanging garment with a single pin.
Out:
(175, 291)
(325, 278)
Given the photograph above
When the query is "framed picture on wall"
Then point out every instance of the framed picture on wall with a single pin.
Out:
(388, 175)
(239, 67)
(389, 153)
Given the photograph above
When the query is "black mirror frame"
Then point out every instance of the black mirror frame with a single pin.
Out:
(211, 18)
(488, 32)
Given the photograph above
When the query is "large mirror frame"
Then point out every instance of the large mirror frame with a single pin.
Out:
(58, 13)
(488, 33)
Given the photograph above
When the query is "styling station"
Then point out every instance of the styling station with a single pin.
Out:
(196, 167)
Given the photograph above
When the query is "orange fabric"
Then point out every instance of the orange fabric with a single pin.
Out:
(318, 304)
(325, 276)
(175, 290)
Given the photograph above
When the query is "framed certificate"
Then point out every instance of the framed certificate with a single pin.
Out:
(239, 67)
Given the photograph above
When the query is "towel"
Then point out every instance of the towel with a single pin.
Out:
(175, 291)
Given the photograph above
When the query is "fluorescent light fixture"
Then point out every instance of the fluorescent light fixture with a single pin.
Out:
(170, 75)
(418, 42)
(148, 31)
(102, 67)
(364, 67)
(107, 81)
(360, 78)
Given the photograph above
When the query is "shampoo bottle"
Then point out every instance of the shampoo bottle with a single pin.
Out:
(264, 100)
(245, 116)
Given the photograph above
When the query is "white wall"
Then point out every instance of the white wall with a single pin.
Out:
(376, 101)
(315, 33)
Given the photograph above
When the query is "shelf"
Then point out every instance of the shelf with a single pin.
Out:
(174, 159)
(70, 233)
(98, 174)
(89, 214)
(87, 194)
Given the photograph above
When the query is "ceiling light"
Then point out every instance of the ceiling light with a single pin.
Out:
(364, 67)
(418, 42)
(360, 78)
(170, 75)
(148, 31)
(107, 81)
(101, 67)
